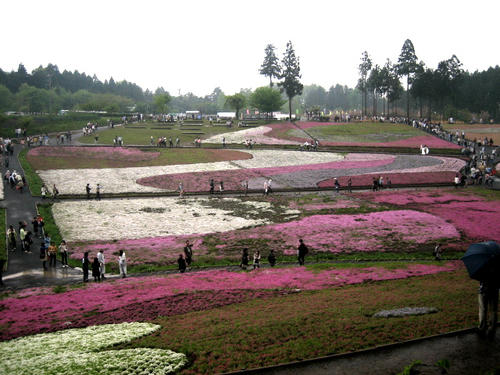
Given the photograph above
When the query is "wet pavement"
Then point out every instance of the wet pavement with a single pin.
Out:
(25, 269)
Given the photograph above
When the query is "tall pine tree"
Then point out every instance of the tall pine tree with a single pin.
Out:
(290, 75)
(270, 67)
(407, 66)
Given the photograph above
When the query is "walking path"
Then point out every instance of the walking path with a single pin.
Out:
(25, 269)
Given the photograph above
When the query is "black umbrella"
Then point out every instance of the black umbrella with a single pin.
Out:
(481, 260)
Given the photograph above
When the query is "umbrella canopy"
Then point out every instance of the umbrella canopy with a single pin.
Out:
(481, 259)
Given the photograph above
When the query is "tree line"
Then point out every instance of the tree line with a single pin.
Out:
(444, 91)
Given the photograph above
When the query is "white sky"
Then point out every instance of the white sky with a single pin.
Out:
(197, 45)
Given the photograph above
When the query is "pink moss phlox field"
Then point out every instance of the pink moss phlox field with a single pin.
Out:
(111, 301)
(396, 178)
(376, 231)
(473, 215)
(361, 232)
(338, 204)
(233, 179)
(141, 250)
(107, 153)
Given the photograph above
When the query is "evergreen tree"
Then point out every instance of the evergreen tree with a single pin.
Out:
(407, 66)
(290, 75)
(270, 67)
(364, 68)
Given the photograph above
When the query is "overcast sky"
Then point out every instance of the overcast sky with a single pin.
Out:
(197, 45)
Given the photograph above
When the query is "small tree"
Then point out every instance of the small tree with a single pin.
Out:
(270, 67)
(266, 100)
(236, 101)
(407, 66)
(290, 75)
(161, 102)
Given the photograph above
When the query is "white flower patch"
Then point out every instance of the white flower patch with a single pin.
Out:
(123, 180)
(140, 218)
(274, 158)
(80, 351)
(257, 134)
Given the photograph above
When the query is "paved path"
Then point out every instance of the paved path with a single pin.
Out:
(25, 269)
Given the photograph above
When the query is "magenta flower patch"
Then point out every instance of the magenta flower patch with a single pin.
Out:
(473, 215)
(146, 298)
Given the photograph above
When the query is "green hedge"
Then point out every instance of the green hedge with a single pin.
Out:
(32, 178)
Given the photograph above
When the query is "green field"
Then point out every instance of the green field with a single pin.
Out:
(140, 134)
(361, 132)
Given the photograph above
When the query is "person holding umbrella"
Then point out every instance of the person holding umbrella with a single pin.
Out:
(483, 263)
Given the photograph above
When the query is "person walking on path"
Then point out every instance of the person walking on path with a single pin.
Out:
(52, 250)
(188, 253)
(271, 258)
(98, 192)
(55, 193)
(256, 259)
(212, 186)
(43, 191)
(22, 237)
(302, 252)
(34, 222)
(488, 301)
(349, 185)
(337, 185)
(221, 187)
(182, 263)
(122, 264)
(11, 238)
(63, 250)
(85, 266)
(96, 270)
(43, 255)
(102, 264)
(244, 259)
(88, 189)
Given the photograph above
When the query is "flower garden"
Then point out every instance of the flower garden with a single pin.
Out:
(287, 169)
(368, 252)
(336, 134)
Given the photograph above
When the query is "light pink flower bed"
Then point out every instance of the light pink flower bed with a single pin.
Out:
(377, 231)
(233, 179)
(475, 216)
(107, 153)
(42, 311)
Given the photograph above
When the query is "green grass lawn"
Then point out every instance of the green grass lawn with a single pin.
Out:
(365, 132)
(141, 134)
(316, 323)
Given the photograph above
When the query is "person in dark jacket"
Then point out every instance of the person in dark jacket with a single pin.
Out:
(271, 258)
(182, 263)
(302, 252)
(244, 259)
(85, 266)
(96, 270)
